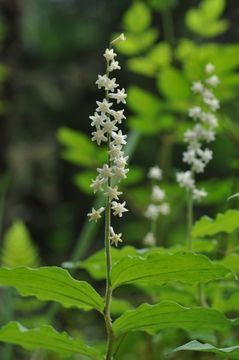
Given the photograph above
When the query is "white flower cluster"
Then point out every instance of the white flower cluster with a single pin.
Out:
(158, 206)
(203, 131)
(105, 121)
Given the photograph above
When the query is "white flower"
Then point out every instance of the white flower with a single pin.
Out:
(209, 68)
(118, 115)
(111, 85)
(149, 239)
(198, 194)
(102, 81)
(120, 172)
(213, 80)
(119, 138)
(155, 173)
(152, 212)
(209, 119)
(185, 180)
(118, 208)
(189, 156)
(157, 194)
(197, 87)
(121, 162)
(104, 106)
(99, 136)
(213, 104)
(206, 155)
(164, 209)
(195, 112)
(115, 151)
(97, 184)
(95, 214)
(105, 172)
(198, 166)
(114, 65)
(115, 238)
(112, 193)
(109, 125)
(97, 119)
(109, 54)
(120, 96)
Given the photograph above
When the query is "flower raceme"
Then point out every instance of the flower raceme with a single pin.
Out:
(202, 132)
(105, 122)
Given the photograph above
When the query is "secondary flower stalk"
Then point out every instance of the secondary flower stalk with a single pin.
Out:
(196, 155)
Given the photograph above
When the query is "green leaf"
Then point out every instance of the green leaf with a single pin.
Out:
(168, 314)
(174, 86)
(47, 338)
(143, 102)
(227, 222)
(18, 248)
(204, 20)
(231, 261)
(161, 55)
(78, 147)
(163, 268)
(228, 352)
(52, 284)
(137, 18)
(142, 65)
(137, 43)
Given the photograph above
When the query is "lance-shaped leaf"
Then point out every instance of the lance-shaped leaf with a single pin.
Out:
(47, 338)
(168, 314)
(227, 222)
(52, 284)
(229, 352)
(163, 268)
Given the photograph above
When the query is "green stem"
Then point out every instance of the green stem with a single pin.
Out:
(189, 220)
(108, 292)
(168, 27)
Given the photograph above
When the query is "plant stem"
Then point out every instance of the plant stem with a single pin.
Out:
(189, 220)
(108, 293)
(168, 25)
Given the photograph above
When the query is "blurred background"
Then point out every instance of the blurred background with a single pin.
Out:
(50, 56)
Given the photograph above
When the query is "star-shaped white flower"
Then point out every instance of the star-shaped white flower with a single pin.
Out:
(109, 54)
(109, 125)
(120, 96)
(103, 106)
(155, 173)
(97, 119)
(113, 193)
(120, 172)
(115, 238)
(119, 138)
(118, 208)
(114, 65)
(118, 115)
(99, 136)
(105, 172)
(97, 184)
(157, 194)
(115, 151)
(95, 215)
